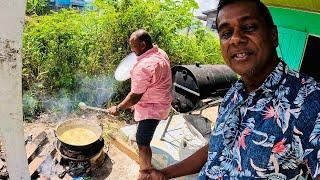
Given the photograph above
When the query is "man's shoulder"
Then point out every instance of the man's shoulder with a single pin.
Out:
(300, 81)
(162, 52)
(157, 55)
(152, 60)
(144, 63)
(304, 90)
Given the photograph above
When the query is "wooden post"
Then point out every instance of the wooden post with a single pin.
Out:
(11, 120)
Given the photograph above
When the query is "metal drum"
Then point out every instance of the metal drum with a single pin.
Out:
(192, 83)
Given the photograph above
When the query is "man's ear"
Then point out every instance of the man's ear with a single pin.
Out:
(275, 40)
(143, 45)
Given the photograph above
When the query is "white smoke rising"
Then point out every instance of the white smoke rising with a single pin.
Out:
(94, 91)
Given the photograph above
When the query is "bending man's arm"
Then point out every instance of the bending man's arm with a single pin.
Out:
(130, 100)
(190, 165)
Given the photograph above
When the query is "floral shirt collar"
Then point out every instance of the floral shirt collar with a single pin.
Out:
(271, 82)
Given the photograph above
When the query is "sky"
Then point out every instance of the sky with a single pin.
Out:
(205, 5)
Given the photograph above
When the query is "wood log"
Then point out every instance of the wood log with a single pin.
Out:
(124, 147)
(38, 160)
(34, 147)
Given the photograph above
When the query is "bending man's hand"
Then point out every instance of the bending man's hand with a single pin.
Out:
(130, 100)
(113, 111)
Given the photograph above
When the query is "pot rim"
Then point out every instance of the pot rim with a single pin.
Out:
(99, 134)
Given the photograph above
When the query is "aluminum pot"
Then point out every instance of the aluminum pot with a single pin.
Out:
(79, 123)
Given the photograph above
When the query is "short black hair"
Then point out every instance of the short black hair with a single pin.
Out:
(262, 8)
(143, 36)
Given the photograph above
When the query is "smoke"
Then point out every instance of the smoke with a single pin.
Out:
(94, 91)
(60, 106)
(47, 167)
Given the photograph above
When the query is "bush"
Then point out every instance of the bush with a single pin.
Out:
(61, 47)
(39, 7)
(31, 105)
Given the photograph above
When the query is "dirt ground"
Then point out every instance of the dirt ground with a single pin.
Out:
(122, 166)
(117, 166)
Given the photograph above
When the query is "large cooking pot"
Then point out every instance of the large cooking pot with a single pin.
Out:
(68, 125)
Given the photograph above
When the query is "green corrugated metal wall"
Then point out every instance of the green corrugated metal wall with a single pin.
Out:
(291, 46)
(306, 5)
(294, 26)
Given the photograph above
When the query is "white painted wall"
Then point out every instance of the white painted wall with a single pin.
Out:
(11, 123)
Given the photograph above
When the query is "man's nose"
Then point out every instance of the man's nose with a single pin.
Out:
(238, 37)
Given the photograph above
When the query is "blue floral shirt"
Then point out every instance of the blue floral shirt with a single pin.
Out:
(271, 133)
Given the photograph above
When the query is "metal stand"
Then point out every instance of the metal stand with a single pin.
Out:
(209, 104)
(166, 128)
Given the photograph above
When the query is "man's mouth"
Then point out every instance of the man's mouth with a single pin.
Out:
(241, 56)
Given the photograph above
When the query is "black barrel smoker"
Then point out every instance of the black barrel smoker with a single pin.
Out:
(193, 83)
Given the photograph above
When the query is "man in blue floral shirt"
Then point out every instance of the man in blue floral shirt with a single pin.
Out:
(269, 122)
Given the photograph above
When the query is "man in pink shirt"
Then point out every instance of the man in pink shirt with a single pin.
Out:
(150, 94)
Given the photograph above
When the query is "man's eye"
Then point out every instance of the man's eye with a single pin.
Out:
(249, 28)
(226, 34)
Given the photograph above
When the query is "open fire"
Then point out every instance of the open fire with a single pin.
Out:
(79, 163)
(49, 158)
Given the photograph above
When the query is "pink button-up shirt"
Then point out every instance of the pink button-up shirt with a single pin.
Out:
(151, 76)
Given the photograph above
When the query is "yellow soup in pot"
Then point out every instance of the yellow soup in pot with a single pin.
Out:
(78, 136)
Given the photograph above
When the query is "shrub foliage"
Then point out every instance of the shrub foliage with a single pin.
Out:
(63, 48)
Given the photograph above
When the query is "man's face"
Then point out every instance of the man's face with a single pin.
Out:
(137, 47)
(247, 42)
